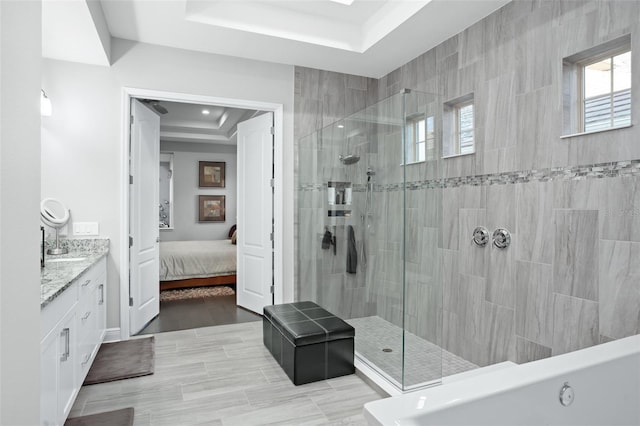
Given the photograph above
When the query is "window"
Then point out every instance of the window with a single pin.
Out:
(596, 88)
(458, 131)
(606, 92)
(420, 139)
(464, 128)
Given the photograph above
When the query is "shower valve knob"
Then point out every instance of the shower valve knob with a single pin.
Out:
(501, 238)
(481, 236)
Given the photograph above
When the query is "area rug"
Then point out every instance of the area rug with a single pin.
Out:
(195, 293)
(122, 360)
(123, 417)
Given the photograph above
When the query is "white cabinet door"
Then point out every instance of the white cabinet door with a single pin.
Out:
(58, 385)
(68, 384)
(101, 312)
(49, 360)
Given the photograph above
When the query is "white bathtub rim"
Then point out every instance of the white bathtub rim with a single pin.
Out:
(456, 393)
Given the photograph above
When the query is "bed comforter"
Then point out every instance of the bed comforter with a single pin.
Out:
(196, 259)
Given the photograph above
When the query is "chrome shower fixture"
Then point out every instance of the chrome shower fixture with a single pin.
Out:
(349, 159)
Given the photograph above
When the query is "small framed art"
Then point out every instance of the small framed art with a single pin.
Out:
(211, 208)
(211, 174)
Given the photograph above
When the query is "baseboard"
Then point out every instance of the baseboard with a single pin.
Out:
(112, 335)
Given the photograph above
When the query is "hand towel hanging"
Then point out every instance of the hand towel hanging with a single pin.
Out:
(352, 253)
(326, 239)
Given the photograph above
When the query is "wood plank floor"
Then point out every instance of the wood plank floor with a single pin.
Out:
(224, 375)
(200, 312)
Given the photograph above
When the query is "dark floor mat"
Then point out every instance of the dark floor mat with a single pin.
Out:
(122, 360)
(122, 417)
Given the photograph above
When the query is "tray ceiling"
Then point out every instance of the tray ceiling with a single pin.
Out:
(362, 37)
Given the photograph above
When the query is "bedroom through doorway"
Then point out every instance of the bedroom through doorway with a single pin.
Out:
(197, 213)
(198, 206)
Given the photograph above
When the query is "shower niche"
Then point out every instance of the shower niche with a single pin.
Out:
(355, 174)
(339, 198)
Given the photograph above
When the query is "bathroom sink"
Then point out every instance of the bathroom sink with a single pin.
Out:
(66, 259)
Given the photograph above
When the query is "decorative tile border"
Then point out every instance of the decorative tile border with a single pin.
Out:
(592, 171)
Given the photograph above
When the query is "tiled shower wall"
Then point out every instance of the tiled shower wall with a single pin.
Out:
(571, 277)
(321, 98)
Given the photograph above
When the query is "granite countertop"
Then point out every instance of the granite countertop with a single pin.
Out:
(57, 276)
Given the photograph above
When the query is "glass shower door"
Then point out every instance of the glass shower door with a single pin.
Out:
(422, 310)
(368, 191)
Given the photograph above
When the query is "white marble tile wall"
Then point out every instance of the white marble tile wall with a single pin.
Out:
(571, 277)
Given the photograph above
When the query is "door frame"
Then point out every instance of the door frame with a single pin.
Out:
(278, 198)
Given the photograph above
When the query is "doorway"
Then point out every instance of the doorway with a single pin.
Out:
(275, 109)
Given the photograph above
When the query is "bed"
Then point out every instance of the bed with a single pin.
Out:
(197, 263)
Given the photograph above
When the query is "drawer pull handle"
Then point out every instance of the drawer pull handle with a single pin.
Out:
(86, 283)
(86, 359)
(65, 355)
(87, 315)
(101, 301)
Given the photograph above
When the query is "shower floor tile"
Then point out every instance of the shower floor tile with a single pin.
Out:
(379, 344)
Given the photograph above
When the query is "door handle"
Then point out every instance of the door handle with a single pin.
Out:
(157, 239)
(65, 355)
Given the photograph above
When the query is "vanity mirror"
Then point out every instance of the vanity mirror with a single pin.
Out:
(54, 214)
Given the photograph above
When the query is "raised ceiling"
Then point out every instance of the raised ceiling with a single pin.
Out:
(353, 27)
(187, 123)
(362, 37)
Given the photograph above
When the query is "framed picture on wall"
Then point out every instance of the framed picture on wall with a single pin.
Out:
(211, 174)
(211, 208)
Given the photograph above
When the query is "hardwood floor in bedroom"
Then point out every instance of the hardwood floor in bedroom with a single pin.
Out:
(225, 376)
(201, 312)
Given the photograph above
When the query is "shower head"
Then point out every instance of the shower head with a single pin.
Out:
(349, 159)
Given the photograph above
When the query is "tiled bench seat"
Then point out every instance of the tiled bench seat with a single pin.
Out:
(309, 343)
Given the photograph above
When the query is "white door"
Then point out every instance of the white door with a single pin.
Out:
(255, 213)
(144, 280)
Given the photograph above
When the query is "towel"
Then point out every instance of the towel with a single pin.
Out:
(326, 240)
(352, 253)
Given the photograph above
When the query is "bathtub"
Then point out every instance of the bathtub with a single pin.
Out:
(600, 385)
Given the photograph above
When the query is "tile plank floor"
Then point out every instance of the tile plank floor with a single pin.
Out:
(223, 375)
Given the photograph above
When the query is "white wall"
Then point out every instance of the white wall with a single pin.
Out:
(185, 191)
(20, 45)
(82, 140)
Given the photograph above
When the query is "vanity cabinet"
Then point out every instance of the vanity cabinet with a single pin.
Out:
(58, 378)
(73, 326)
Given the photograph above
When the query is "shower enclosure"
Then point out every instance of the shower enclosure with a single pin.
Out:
(369, 216)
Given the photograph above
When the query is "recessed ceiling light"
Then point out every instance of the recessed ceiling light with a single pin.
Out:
(345, 2)
(340, 126)
(205, 112)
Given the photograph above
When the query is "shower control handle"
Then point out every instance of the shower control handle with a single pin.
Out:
(481, 236)
(501, 238)
(566, 395)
